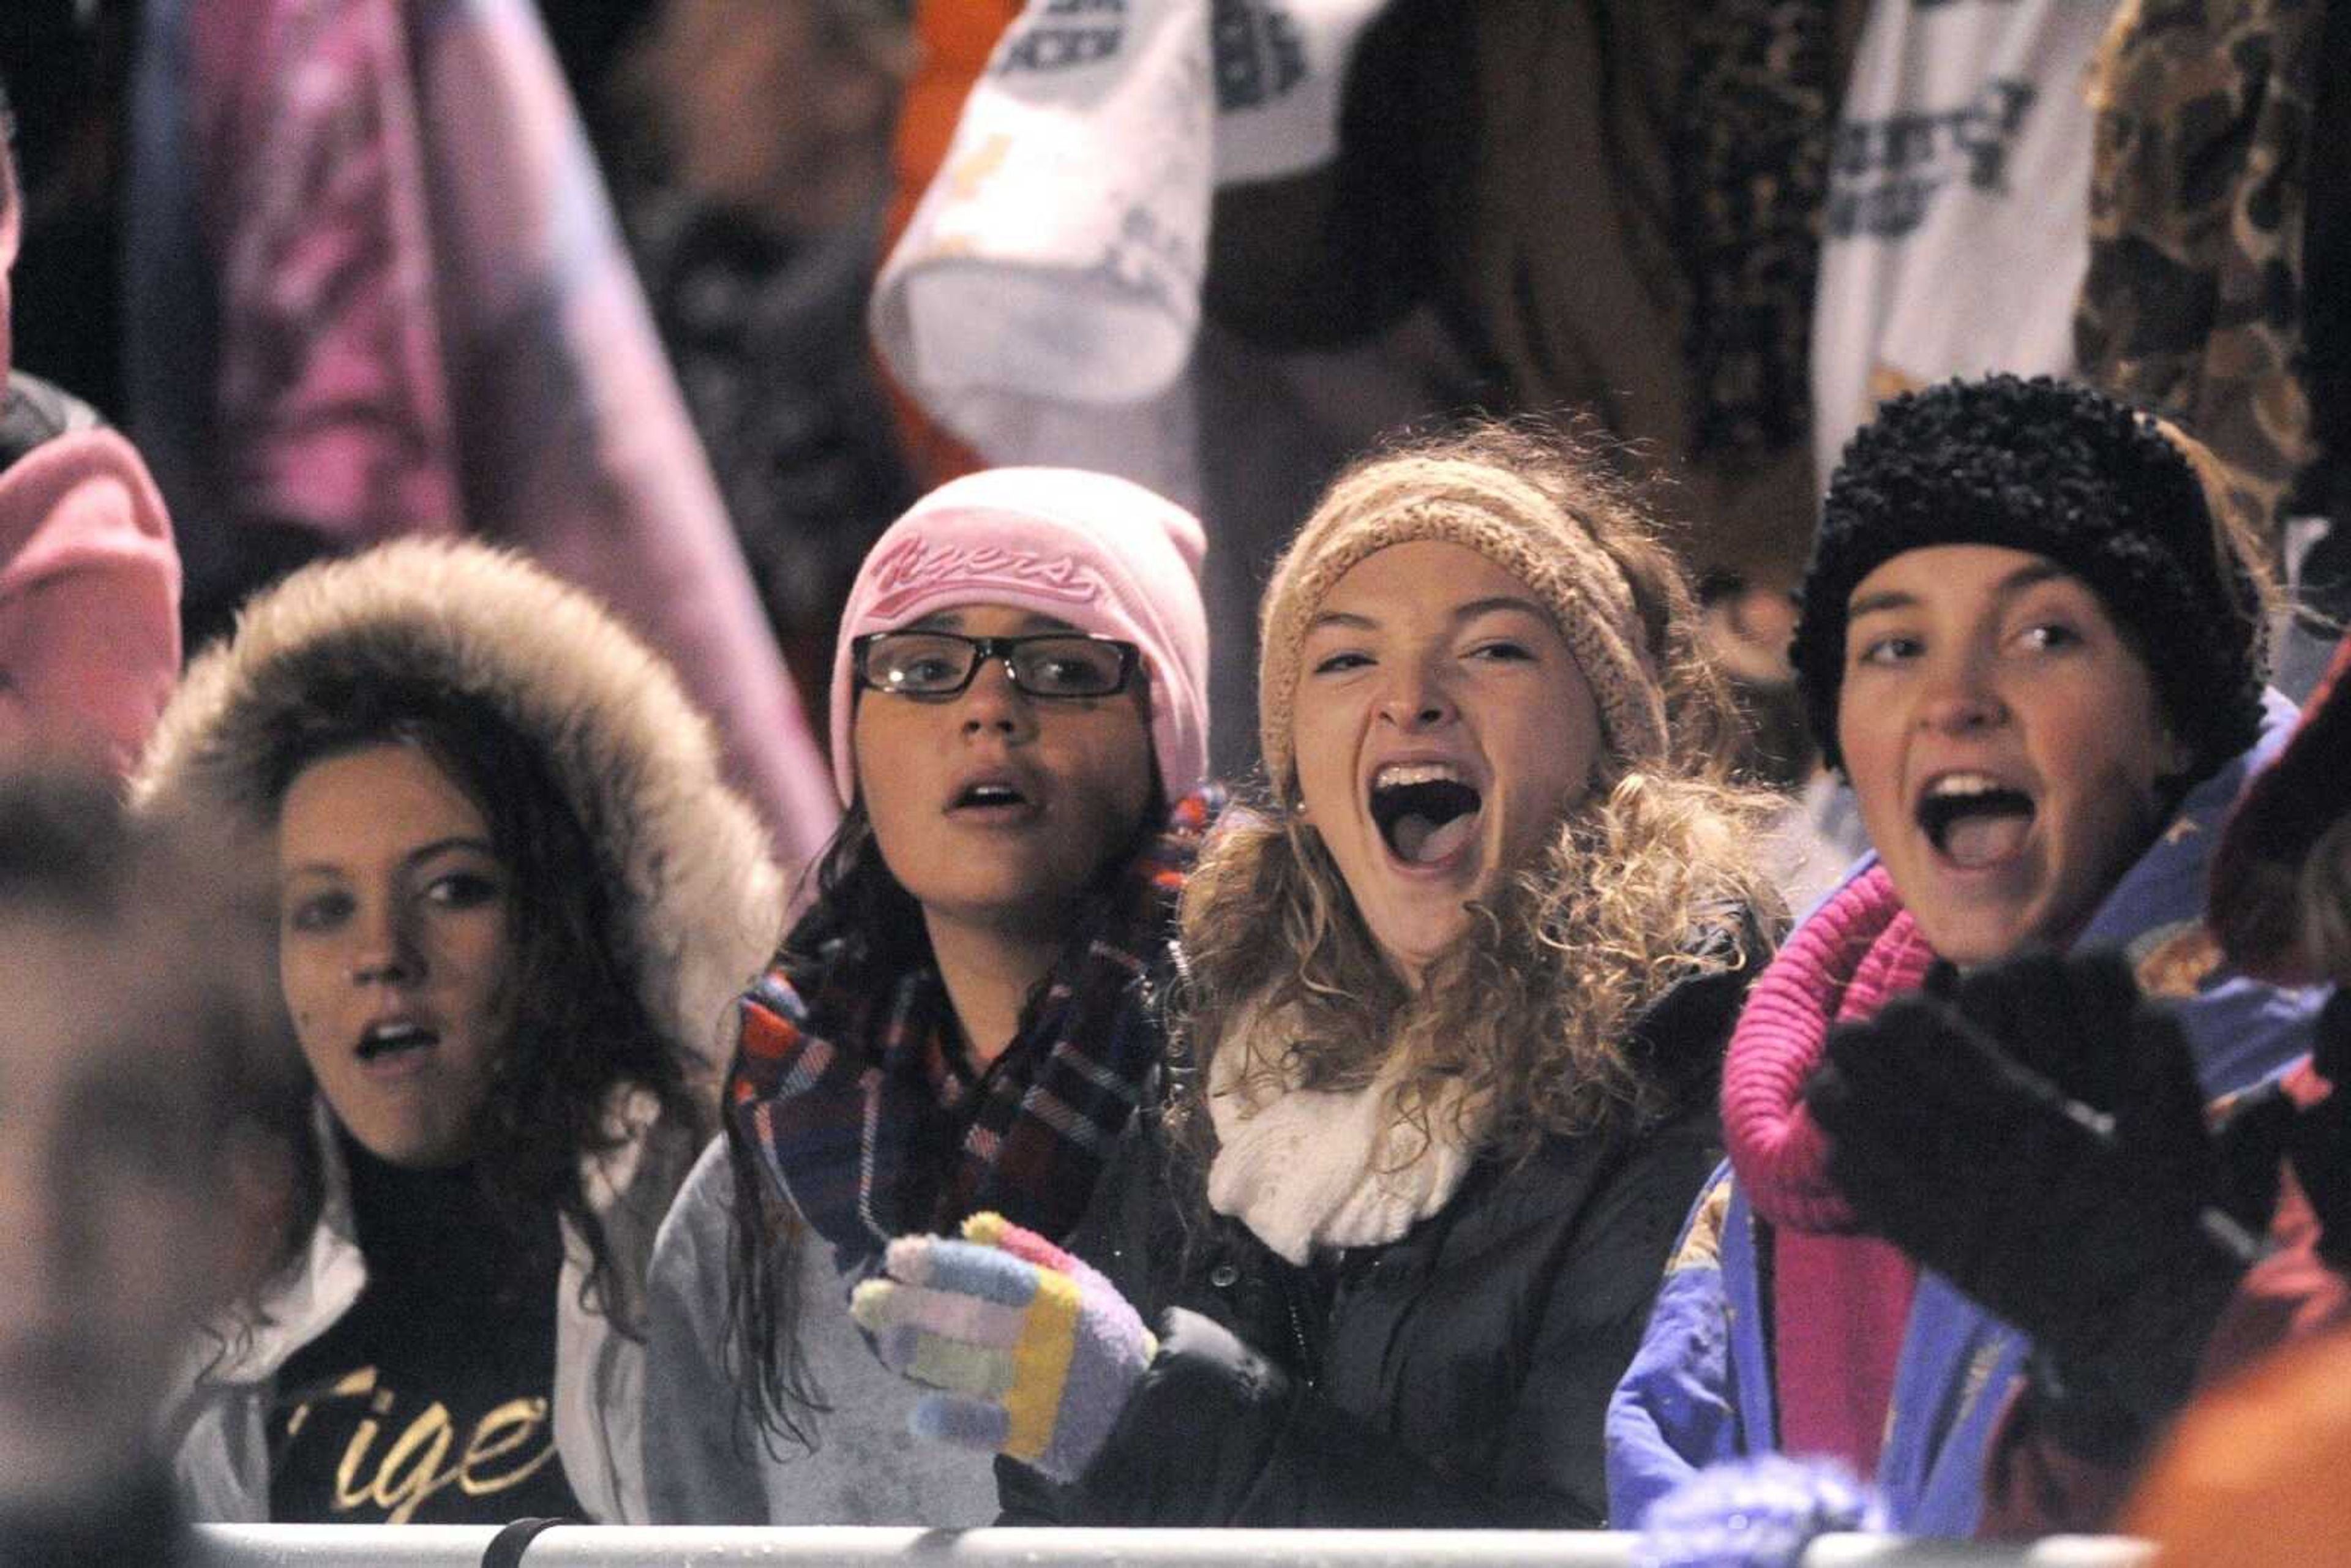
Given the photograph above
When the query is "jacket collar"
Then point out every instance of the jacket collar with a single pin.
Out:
(248, 1343)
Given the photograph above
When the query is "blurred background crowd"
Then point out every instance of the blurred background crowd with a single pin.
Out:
(351, 270)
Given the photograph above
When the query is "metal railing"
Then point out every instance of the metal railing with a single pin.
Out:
(584, 1546)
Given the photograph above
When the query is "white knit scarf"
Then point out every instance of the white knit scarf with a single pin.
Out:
(1308, 1168)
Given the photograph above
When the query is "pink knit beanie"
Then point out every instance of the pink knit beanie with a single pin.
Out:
(1107, 556)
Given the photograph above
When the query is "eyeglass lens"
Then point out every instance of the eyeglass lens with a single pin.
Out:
(932, 663)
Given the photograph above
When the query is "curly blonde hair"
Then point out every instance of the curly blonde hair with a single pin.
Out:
(1524, 1023)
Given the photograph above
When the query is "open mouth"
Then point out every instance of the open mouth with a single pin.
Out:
(388, 1040)
(1974, 820)
(1425, 812)
(988, 797)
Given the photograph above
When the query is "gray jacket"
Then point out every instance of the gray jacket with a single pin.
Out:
(704, 1464)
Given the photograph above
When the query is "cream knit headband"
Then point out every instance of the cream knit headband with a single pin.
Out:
(1503, 518)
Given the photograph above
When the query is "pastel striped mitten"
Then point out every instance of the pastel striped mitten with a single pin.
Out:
(1033, 1353)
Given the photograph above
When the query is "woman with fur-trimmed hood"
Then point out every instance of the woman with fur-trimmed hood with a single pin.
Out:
(514, 901)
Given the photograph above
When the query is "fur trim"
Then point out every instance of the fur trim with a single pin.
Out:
(699, 902)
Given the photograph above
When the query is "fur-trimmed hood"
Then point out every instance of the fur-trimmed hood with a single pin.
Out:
(697, 901)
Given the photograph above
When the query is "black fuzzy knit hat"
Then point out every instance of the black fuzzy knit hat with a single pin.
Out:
(2066, 473)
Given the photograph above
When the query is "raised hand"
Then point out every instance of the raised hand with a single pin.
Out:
(2112, 1229)
(1032, 1352)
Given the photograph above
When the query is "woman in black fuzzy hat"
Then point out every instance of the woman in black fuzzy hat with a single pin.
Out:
(2108, 495)
(2031, 640)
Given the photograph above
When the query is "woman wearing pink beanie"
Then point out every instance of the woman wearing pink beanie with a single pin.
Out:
(960, 1022)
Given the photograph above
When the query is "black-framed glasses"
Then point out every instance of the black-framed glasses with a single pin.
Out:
(941, 663)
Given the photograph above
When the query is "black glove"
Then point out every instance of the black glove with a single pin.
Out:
(2068, 1023)
(2320, 1138)
(2035, 1134)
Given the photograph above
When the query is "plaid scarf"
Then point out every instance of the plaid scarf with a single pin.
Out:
(856, 1098)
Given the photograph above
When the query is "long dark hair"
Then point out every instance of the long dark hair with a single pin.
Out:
(862, 915)
(582, 1028)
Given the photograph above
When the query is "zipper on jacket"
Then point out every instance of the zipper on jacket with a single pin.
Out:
(1307, 1370)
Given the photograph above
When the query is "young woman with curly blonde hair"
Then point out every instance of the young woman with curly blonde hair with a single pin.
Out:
(1453, 998)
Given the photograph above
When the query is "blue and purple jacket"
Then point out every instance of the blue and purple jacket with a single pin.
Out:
(1701, 1387)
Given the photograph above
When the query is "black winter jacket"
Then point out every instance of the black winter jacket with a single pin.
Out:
(1457, 1377)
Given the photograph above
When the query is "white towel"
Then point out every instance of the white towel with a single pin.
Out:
(1279, 66)
(1044, 300)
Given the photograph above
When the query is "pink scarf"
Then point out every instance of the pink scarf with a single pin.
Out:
(1840, 1304)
